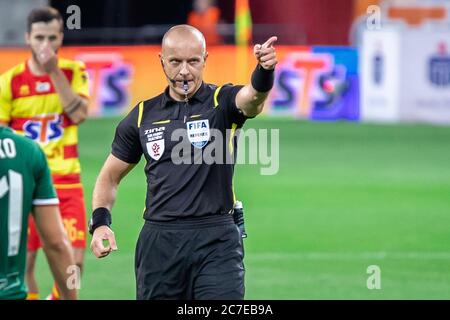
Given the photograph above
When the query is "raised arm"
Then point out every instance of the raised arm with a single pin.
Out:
(250, 99)
(75, 106)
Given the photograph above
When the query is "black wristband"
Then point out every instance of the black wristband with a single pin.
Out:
(100, 217)
(262, 79)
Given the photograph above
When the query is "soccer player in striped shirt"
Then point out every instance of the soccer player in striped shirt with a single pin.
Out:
(45, 98)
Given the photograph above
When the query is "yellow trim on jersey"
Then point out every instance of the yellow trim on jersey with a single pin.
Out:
(141, 111)
(6, 91)
(68, 186)
(31, 106)
(70, 135)
(80, 77)
(230, 143)
(162, 122)
(62, 166)
(216, 94)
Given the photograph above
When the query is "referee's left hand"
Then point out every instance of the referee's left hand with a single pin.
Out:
(266, 54)
(100, 234)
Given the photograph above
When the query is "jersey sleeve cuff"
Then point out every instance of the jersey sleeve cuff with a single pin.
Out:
(45, 202)
(124, 158)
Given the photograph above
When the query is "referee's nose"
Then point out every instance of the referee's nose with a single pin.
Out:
(184, 71)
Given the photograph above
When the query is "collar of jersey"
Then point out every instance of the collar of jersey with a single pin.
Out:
(200, 95)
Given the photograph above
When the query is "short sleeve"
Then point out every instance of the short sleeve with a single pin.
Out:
(227, 101)
(80, 80)
(44, 193)
(127, 145)
(5, 98)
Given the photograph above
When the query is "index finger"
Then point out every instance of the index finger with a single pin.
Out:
(270, 42)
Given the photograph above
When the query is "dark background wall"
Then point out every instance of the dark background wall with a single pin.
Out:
(294, 21)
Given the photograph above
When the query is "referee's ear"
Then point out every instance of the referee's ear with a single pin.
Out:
(161, 59)
(205, 56)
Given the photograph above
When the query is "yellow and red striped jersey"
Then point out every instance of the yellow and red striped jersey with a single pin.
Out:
(31, 106)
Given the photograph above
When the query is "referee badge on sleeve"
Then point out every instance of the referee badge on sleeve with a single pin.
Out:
(155, 149)
(198, 132)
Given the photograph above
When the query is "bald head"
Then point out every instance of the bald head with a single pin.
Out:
(183, 57)
(184, 36)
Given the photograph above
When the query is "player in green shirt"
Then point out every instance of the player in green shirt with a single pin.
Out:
(26, 186)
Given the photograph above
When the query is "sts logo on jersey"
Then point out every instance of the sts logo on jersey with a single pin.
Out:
(44, 129)
(198, 133)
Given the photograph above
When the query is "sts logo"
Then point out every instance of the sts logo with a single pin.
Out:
(110, 76)
(319, 84)
(44, 129)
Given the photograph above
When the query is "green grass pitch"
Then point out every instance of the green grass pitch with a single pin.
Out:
(346, 196)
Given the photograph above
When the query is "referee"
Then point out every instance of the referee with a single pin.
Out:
(189, 247)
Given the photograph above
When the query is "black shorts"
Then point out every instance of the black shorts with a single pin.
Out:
(198, 258)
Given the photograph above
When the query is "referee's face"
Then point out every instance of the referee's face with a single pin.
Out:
(183, 59)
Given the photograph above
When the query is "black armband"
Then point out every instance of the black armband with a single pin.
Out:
(100, 217)
(262, 79)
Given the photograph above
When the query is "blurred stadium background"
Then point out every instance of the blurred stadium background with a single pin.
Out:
(362, 102)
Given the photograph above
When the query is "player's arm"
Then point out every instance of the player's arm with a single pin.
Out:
(103, 199)
(75, 106)
(56, 246)
(250, 99)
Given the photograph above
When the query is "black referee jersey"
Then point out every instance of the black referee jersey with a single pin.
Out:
(163, 130)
